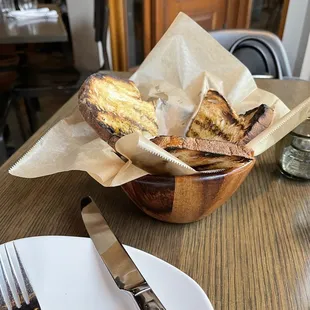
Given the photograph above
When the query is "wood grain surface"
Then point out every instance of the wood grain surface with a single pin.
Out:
(170, 199)
(251, 253)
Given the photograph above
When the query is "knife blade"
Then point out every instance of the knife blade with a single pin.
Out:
(121, 267)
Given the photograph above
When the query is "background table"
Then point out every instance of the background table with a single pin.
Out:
(252, 253)
(32, 31)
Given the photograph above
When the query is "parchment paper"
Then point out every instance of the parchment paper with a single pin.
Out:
(180, 69)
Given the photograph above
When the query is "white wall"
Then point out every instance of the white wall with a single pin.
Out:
(85, 49)
(305, 69)
(296, 33)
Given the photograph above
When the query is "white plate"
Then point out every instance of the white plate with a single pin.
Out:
(67, 273)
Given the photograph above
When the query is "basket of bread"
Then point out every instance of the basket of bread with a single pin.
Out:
(214, 146)
(179, 136)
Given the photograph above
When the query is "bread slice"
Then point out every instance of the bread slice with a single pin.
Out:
(217, 120)
(255, 121)
(113, 108)
(205, 154)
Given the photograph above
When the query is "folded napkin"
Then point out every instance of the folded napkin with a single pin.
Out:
(33, 14)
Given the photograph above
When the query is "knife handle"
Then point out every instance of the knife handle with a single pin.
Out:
(146, 298)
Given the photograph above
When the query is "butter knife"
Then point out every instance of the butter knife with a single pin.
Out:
(121, 267)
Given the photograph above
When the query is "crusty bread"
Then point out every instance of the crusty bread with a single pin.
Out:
(205, 154)
(255, 121)
(113, 108)
(217, 120)
(216, 136)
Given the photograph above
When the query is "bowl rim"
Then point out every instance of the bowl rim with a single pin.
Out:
(208, 176)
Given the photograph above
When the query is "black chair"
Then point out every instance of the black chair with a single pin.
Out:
(234, 39)
(36, 83)
(5, 104)
(8, 75)
(32, 86)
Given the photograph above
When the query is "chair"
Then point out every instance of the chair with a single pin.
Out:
(8, 75)
(5, 104)
(227, 38)
(33, 85)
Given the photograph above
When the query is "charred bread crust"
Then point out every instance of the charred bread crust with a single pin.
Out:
(206, 146)
(89, 111)
(103, 101)
(256, 121)
(205, 154)
(229, 112)
(217, 120)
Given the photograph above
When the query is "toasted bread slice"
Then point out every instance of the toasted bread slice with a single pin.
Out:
(114, 108)
(255, 121)
(217, 120)
(205, 154)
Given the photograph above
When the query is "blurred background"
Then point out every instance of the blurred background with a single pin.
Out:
(48, 48)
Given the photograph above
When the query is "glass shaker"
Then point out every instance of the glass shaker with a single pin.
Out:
(293, 152)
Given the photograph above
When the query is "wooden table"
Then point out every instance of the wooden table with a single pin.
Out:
(252, 253)
(14, 31)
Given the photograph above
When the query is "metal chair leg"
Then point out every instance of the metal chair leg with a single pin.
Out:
(31, 104)
(5, 103)
(20, 121)
(3, 153)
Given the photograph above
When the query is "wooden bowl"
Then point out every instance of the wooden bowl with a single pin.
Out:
(185, 199)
